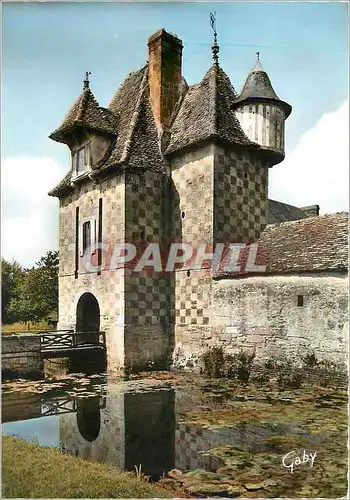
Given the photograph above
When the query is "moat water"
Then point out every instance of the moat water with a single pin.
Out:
(224, 438)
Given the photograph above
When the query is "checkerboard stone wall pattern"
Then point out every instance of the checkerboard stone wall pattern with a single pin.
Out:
(147, 314)
(107, 288)
(147, 294)
(192, 176)
(240, 196)
(223, 197)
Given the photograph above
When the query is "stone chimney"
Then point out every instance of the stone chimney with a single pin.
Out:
(165, 78)
(311, 210)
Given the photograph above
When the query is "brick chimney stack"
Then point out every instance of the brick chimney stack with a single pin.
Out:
(164, 63)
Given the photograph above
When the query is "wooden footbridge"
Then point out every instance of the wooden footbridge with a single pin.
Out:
(24, 354)
(65, 342)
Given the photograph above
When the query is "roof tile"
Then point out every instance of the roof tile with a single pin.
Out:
(317, 243)
(86, 112)
(206, 113)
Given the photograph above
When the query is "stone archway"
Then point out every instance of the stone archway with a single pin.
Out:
(88, 317)
(89, 418)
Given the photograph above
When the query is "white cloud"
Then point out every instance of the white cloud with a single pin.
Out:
(29, 216)
(317, 171)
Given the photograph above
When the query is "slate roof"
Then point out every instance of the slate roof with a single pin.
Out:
(86, 112)
(62, 185)
(141, 147)
(259, 87)
(312, 244)
(136, 133)
(125, 106)
(282, 212)
(206, 113)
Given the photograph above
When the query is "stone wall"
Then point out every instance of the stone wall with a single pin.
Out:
(20, 355)
(263, 123)
(147, 292)
(262, 314)
(222, 198)
(240, 196)
(109, 285)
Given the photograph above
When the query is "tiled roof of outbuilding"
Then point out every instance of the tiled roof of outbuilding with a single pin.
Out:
(86, 112)
(206, 113)
(317, 243)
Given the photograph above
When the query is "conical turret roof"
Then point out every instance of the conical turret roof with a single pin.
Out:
(259, 87)
(86, 112)
(206, 113)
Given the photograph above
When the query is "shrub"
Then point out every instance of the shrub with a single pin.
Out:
(310, 360)
(218, 364)
(243, 362)
(213, 360)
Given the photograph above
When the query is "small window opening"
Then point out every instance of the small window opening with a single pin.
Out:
(183, 215)
(86, 235)
(142, 235)
(188, 274)
(300, 300)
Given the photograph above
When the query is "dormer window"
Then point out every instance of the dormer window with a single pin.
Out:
(81, 160)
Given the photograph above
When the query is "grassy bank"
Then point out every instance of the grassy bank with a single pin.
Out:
(26, 327)
(32, 471)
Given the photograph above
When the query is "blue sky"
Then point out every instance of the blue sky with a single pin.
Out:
(48, 47)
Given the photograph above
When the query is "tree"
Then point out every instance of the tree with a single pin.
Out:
(11, 276)
(37, 293)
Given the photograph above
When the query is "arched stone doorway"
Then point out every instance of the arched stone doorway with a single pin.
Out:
(88, 318)
(89, 418)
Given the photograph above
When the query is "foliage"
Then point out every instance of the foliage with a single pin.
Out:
(11, 275)
(213, 360)
(33, 292)
(242, 365)
(32, 471)
(219, 364)
(310, 360)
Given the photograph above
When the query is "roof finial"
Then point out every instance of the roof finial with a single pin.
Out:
(215, 48)
(257, 65)
(86, 81)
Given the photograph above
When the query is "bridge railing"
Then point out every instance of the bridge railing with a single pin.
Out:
(63, 339)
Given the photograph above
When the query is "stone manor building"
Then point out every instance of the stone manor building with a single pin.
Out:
(168, 162)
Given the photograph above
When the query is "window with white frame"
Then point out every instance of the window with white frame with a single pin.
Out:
(87, 236)
(81, 160)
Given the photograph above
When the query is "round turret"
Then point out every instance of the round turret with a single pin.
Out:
(262, 114)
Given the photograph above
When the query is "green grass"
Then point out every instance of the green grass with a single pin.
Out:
(32, 471)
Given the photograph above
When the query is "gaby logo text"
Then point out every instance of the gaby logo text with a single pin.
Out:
(292, 460)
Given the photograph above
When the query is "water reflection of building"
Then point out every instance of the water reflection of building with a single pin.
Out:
(132, 429)
(127, 428)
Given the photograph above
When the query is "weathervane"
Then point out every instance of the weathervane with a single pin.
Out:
(86, 81)
(258, 65)
(215, 47)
